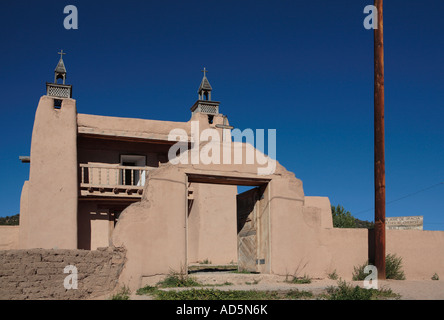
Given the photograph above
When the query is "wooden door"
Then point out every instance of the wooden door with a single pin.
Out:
(263, 230)
(247, 230)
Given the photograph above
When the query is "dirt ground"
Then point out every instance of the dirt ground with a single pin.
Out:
(408, 289)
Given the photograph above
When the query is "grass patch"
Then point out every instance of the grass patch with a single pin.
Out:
(242, 271)
(148, 290)
(213, 294)
(206, 261)
(333, 275)
(178, 280)
(343, 291)
(298, 295)
(299, 280)
(123, 294)
(346, 291)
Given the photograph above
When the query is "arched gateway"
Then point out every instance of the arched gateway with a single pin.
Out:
(156, 231)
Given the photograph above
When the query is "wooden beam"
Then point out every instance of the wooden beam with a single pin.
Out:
(227, 180)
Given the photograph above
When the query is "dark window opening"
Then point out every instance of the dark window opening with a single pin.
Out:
(57, 104)
(128, 173)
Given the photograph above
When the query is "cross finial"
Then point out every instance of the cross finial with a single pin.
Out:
(61, 54)
(205, 71)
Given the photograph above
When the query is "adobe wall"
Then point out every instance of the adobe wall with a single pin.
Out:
(24, 217)
(302, 239)
(94, 226)
(9, 237)
(53, 180)
(154, 232)
(96, 221)
(36, 274)
(129, 127)
(303, 246)
(422, 251)
(212, 219)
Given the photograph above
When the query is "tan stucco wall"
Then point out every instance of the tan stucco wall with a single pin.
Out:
(96, 222)
(422, 251)
(212, 220)
(141, 128)
(24, 217)
(9, 237)
(155, 231)
(322, 203)
(128, 127)
(53, 180)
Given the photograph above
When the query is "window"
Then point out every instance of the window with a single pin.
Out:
(129, 176)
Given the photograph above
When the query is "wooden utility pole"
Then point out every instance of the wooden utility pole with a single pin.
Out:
(379, 253)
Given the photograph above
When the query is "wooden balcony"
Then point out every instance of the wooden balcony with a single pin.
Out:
(104, 180)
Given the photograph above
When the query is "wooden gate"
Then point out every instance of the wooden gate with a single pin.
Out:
(247, 230)
(253, 230)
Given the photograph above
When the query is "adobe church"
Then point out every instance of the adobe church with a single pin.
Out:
(97, 181)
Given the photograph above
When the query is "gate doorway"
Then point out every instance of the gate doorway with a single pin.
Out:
(251, 219)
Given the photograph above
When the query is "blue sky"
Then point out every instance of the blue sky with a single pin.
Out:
(304, 68)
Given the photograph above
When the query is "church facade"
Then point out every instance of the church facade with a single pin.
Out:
(86, 169)
(97, 181)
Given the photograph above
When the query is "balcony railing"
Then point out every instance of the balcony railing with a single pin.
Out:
(112, 180)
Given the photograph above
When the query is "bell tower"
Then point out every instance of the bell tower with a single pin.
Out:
(59, 90)
(204, 104)
(205, 87)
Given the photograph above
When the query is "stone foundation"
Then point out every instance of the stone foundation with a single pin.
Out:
(39, 273)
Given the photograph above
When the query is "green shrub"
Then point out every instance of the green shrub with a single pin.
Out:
(435, 276)
(333, 275)
(175, 280)
(342, 218)
(148, 290)
(206, 261)
(345, 291)
(393, 269)
(299, 280)
(123, 294)
(358, 273)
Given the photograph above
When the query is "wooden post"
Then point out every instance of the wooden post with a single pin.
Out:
(379, 144)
